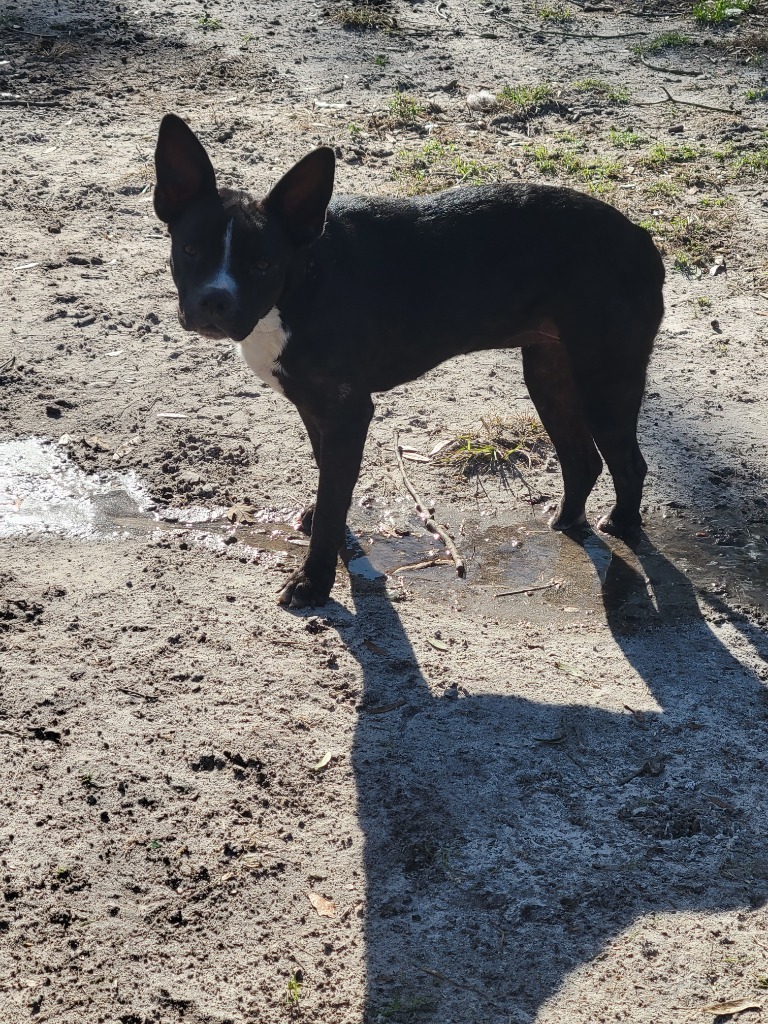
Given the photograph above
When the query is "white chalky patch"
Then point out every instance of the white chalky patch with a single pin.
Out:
(223, 278)
(263, 347)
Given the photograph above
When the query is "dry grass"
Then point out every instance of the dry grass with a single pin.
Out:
(498, 445)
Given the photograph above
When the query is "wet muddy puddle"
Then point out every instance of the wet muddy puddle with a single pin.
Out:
(515, 570)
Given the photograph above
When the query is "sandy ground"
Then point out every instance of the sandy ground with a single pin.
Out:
(422, 803)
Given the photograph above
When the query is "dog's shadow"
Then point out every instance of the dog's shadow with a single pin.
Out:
(507, 839)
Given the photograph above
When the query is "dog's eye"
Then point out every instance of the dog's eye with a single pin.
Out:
(262, 265)
(190, 250)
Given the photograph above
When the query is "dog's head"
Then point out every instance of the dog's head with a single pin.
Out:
(231, 254)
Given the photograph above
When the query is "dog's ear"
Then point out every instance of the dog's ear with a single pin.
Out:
(184, 172)
(300, 199)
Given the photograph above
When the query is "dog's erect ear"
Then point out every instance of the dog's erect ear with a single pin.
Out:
(184, 172)
(300, 199)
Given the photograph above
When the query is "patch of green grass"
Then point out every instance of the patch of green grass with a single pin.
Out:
(685, 238)
(716, 12)
(662, 189)
(701, 306)
(356, 131)
(714, 202)
(544, 159)
(404, 111)
(557, 12)
(437, 165)
(599, 87)
(470, 171)
(208, 23)
(597, 172)
(756, 95)
(683, 264)
(660, 154)
(749, 158)
(624, 139)
(363, 17)
(293, 990)
(754, 160)
(381, 60)
(498, 446)
(525, 99)
(665, 41)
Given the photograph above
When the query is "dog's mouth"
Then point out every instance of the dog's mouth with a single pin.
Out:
(215, 327)
(205, 328)
(209, 331)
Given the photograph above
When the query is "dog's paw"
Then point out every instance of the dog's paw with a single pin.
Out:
(626, 527)
(301, 591)
(303, 520)
(563, 521)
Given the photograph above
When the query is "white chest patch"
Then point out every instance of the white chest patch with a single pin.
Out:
(263, 346)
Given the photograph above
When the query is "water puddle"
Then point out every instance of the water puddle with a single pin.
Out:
(514, 570)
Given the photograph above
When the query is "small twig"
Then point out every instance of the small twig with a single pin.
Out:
(151, 697)
(457, 984)
(29, 103)
(528, 590)
(538, 31)
(34, 35)
(684, 103)
(8, 364)
(426, 564)
(669, 71)
(426, 515)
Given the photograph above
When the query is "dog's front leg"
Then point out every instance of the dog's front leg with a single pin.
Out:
(341, 439)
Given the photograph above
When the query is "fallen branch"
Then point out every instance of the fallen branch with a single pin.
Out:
(538, 31)
(528, 590)
(669, 71)
(426, 564)
(29, 103)
(457, 984)
(684, 103)
(426, 515)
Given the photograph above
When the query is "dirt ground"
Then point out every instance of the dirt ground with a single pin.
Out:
(422, 802)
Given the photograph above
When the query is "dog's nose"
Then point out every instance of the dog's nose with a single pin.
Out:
(217, 301)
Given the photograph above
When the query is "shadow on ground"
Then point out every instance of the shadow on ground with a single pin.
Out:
(509, 840)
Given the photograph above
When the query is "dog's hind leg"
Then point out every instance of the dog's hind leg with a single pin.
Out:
(611, 381)
(550, 382)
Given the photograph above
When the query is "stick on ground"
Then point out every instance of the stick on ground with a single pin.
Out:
(426, 515)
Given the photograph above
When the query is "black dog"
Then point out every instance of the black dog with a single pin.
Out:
(330, 303)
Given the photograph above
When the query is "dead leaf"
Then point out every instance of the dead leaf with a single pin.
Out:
(324, 907)
(413, 454)
(730, 1006)
(324, 761)
(439, 645)
(243, 514)
(440, 448)
(372, 646)
(569, 669)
